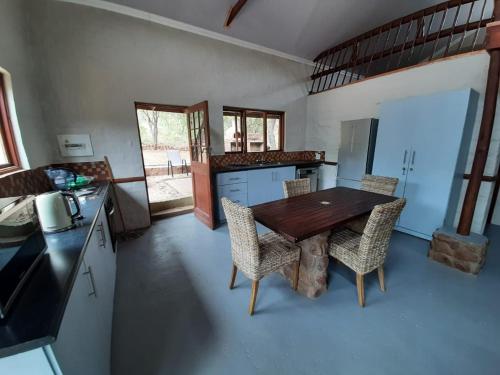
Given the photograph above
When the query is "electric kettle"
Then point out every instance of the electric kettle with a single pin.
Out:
(54, 211)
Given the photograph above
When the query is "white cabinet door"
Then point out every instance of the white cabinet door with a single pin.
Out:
(83, 345)
(28, 363)
(101, 261)
(75, 348)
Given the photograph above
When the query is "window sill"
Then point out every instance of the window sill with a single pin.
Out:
(8, 170)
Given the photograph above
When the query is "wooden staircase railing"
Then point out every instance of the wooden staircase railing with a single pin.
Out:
(445, 29)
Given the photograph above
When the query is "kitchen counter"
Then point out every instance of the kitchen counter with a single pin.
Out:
(36, 315)
(246, 167)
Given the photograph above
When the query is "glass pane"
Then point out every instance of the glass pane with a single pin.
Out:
(202, 117)
(196, 120)
(255, 132)
(273, 133)
(3, 153)
(233, 138)
(202, 137)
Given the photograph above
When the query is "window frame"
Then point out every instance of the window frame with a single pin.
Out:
(7, 133)
(243, 116)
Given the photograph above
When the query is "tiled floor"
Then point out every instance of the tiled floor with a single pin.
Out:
(165, 188)
(174, 313)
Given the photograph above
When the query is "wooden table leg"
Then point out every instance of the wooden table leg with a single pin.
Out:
(313, 266)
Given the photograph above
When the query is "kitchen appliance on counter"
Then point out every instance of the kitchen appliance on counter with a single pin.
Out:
(312, 174)
(54, 211)
(66, 179)
(357, 147)
(21, 246)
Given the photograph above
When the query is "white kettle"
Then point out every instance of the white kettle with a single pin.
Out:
(54, 211)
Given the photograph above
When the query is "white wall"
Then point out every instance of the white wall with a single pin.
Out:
(95, 64)
(327, 110)
(496, 214)
(16, 59)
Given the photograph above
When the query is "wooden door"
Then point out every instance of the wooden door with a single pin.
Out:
(199, 144)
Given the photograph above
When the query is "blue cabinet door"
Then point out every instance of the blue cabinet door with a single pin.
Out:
(282, 174)
(266, 185)
(394, 142)
(260, 186)
(440, 119)
(419, 141)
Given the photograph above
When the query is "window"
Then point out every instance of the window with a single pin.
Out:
(253, 130)
(9, 159)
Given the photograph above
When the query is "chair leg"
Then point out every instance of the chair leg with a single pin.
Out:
(233, 276)
(360, 283)
(381, 278)
(296, 275)
(253, 297)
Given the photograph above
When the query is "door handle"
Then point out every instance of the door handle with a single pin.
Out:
(404, 157)
(91, 280)
(103, 235)
(412, 160)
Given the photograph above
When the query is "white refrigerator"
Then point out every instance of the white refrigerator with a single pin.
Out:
(357, 147)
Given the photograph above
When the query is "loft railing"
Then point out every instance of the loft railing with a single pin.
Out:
(446, 29)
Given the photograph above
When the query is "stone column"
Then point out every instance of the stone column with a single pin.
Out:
(465, 253)
(313, 266)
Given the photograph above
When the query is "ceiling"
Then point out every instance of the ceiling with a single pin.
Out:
(301, 28)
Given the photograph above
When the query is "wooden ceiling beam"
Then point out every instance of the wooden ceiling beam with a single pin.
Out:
(233, 12)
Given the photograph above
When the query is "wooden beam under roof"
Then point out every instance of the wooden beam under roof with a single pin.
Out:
(233, 12)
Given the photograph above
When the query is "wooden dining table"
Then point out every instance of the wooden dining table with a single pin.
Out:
(308, 221)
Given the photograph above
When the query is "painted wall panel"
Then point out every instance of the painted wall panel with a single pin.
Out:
(97, 63)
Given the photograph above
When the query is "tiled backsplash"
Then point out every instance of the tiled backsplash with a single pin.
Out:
(34, 181)
(220, 161)
(97, 169)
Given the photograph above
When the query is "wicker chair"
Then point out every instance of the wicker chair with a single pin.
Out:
(374, 184)
(293, 188)
(256, 256)
(366, 252)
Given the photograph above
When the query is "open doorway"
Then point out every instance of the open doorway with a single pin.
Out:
(164, 138)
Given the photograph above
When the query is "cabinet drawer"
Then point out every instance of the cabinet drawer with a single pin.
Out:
(235, 192)
(231, 178)
(232, 190)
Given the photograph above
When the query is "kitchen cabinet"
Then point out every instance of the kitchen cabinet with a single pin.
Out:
(266, 185)
(424, 142)
(83, 345)
(252, 187)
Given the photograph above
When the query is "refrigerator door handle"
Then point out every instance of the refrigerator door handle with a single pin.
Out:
(412, 160)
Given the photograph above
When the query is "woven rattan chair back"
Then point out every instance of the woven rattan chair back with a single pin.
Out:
(379, 184)
(377, 233)
(293, 188)
(244, 239)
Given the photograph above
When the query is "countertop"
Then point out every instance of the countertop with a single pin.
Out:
(297, 163)
(35, 317)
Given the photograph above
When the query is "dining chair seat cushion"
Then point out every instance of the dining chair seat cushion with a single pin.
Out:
(275, 252)
(344, 246)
